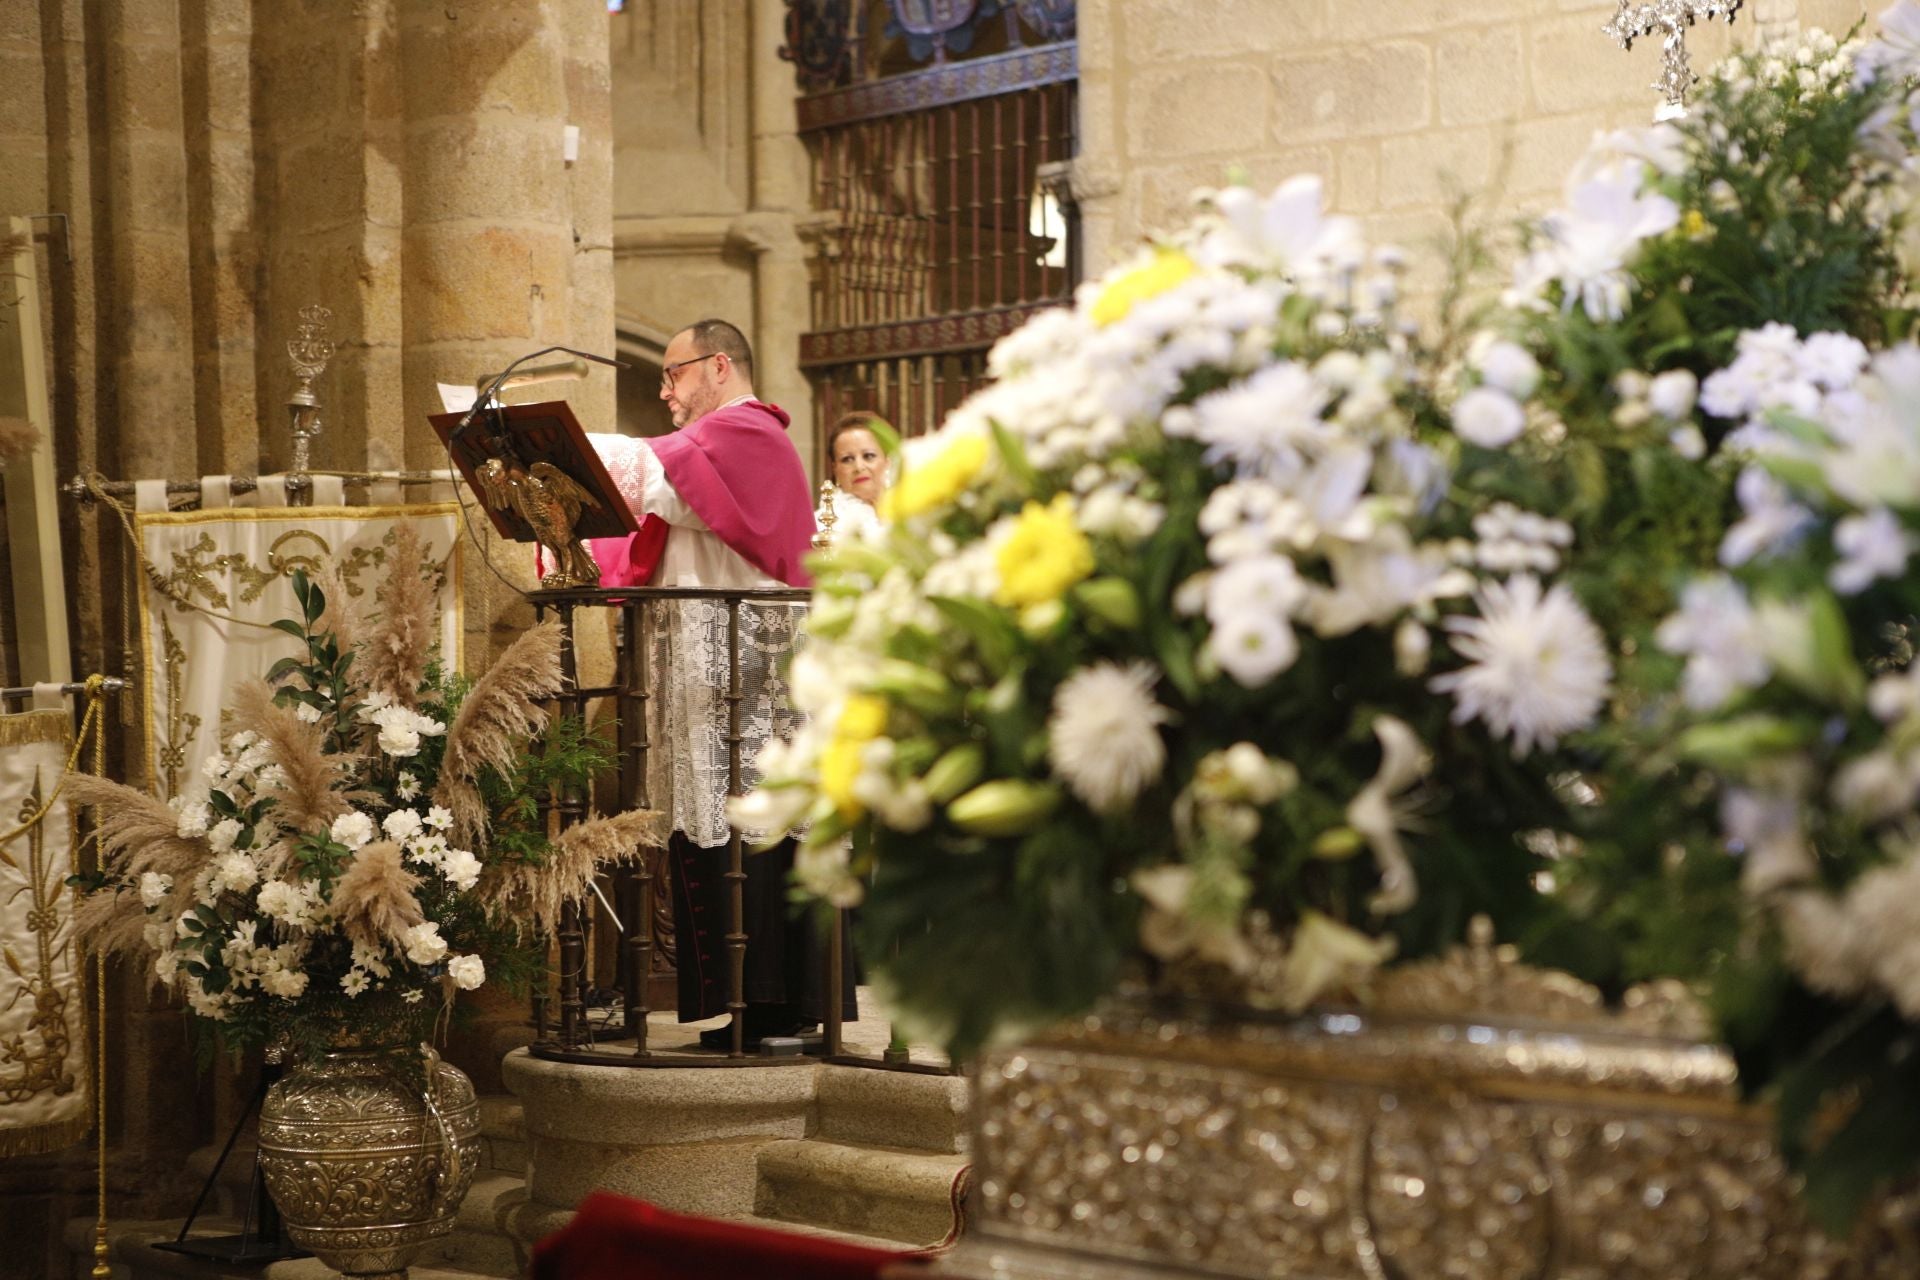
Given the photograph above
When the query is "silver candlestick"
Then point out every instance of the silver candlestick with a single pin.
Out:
(309, 349)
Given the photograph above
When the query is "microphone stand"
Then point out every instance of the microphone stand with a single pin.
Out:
(486, 399)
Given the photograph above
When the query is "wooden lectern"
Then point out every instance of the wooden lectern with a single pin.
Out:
(540, 480)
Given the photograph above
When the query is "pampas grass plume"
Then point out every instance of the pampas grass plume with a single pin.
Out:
(499, 713)
(394, 654)
(374, 900)
(137, 834)
(306, 798)
(527, 892)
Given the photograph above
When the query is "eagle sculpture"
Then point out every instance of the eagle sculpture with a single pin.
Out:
(549, 500)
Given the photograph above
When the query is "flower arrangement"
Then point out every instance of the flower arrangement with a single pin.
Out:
(369, 839)
(1726, 420)
(1233, 578)
(1175, 633)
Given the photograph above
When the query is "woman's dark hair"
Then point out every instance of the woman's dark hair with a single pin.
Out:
(858, 420)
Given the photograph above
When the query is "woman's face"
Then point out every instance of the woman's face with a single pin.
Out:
(859, 464)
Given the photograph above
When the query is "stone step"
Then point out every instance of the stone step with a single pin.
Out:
(134, 1257)
(890, 1193)
(906, 1109)
(480, 1242)
(826, 1233)
(503, 1130)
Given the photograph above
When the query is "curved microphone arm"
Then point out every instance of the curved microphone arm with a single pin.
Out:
(486, 398)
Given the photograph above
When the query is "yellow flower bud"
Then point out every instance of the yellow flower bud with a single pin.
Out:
(1112, 600)
(1007, 807)
(954, 772)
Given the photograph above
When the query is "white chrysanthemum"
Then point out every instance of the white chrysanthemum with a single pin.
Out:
(439, 817)
(1508, 367)
(401, 825)
(1537, 665)
(194, 819)
(1253, 648)
(407, 787)
(154, 887)
(1104, 734)
(467, 972)
(1673, 394)
(352, 829)
(460, 868)
(235, 871)
(423, 943)
(288, 984)
(223, 834)
(1873, 545)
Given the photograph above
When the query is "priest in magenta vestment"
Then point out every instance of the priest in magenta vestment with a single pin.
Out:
(724, 502)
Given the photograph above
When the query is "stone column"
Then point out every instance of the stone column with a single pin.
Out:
(487, 248)
(217, 61)
(146, 328)
(590, 191)
(779, 197)
(487, 243)
(327, 196)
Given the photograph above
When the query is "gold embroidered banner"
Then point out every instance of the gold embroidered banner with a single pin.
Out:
(219, 576)
(43, 1056)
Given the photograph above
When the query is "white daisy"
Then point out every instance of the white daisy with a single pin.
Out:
(1104, 734)
(1537, 668)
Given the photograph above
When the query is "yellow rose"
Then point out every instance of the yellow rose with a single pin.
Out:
(1044, 555)
(1167, 269)
(936, 482)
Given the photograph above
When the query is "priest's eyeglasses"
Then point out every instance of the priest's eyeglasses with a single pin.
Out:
(667, 372)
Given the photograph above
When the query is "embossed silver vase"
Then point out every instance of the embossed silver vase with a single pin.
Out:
(368, 1153)
(1476, 1119)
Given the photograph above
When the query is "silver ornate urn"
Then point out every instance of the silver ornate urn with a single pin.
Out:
(1477, 1119)
(368, 1153)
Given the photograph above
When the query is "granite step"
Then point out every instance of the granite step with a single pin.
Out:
(480, 1242)
(904, 1109)
(894, 1194)
(503, 1130)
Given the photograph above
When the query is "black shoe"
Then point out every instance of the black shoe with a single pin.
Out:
(758, 1029)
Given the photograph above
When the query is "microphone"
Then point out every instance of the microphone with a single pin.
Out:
(558, 371)
(540, 373)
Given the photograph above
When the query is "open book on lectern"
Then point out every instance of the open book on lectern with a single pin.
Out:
(540, 481)
(532, 434)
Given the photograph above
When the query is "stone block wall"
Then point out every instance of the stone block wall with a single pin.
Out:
(1399, 104)
(221, 164)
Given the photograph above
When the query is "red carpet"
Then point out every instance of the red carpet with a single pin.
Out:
(618, 1238)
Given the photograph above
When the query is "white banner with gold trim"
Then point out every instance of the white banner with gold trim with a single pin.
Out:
(219, 576)
(44, 1089)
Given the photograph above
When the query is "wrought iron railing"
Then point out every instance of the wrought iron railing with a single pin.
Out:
(939, 133)
(568, 1031)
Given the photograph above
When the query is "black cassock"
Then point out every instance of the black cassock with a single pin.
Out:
(786, 969)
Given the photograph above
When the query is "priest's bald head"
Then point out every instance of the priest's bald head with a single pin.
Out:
(707, 364)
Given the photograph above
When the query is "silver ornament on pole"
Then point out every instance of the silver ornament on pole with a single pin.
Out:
(1670, 20)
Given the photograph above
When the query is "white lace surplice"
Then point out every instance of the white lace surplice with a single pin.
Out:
(687, 654)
